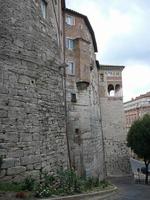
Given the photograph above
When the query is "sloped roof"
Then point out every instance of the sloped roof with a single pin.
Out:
(87, 23)
(112, 67)
(63, 3)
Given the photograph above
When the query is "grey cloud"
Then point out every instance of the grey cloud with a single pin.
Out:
(133, 46)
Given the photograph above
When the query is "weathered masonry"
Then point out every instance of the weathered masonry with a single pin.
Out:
(113, 126)
(83, 109)
(53, 116)
(32, 114)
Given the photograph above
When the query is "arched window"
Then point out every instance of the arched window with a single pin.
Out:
(118, 90)
(111, 91)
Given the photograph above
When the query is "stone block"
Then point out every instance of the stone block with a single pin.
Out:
(34, 174)
(37, 166)
(17, 153)
(29, 167)
(24, 80)
(26, 160)
(15, 170)
(3, 113)
(2, 173)
(8, 162)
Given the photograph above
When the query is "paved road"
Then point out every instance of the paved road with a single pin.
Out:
(134, 192)
(128, 190)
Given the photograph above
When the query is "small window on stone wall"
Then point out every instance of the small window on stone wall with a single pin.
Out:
(43, 8)
(70, 43)
(77, 131)
(71, 68)
(77, 136)
(102, 77)
(70, 20)
(73, 97)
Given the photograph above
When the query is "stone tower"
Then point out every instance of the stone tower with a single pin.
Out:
(111, 100)
(32, 114)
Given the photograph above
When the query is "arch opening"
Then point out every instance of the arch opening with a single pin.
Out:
(118, 90)
(111, 90)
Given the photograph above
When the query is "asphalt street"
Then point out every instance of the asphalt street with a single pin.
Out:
(131, 189)
(128, 190)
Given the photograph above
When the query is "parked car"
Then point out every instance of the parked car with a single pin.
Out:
(143, 170)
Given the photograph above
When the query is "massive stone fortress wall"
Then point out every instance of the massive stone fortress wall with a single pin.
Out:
(32, 114)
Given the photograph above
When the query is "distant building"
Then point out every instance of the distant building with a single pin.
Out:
(136, 108)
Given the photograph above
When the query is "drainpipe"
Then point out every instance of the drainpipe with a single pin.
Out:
(103, 143)
(65, 90)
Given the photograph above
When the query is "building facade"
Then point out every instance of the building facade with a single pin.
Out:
(111, 102)
(32, 113)
(136, 108)
(54, 116)
(83, 109)
(94, 104)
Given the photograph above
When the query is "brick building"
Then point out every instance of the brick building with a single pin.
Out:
(136, 108)
(83, 109)
(94, 104)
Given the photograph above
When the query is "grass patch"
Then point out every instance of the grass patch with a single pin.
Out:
(10, 187)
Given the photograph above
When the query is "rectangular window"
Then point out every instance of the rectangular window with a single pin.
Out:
(70, 43)
(71, 68)
(73, 98)
(43, 8)
(117, 73)
(70, 20)
(102, 77)
(109, 73)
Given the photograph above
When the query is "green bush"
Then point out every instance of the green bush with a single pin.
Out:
(42, 191)
(65, 182)
(28, 184)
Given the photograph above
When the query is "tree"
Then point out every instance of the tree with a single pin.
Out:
(138, 139)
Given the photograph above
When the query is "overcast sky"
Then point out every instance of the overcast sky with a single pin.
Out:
(122, 32)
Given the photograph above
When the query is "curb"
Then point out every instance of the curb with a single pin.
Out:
(88, 196)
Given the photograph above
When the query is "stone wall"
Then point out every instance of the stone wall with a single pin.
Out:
(32, 114)
(116, 151)
(113, 122)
